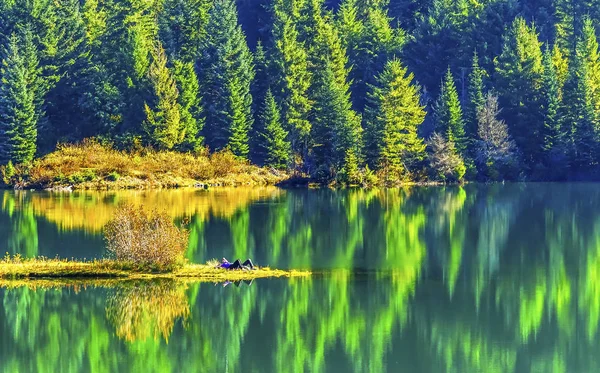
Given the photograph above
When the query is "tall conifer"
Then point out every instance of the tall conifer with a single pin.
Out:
(18, 125)
(226, 73)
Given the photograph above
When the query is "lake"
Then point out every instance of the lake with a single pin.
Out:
(480, 278)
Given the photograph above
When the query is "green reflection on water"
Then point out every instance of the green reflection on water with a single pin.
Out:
(457, 279)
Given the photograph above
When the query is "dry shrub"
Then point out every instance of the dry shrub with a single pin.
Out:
(147, 309)
(147, 240)
(142, 168)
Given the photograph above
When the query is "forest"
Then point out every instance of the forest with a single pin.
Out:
(352, 92)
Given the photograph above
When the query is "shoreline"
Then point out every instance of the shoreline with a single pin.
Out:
(57, 269)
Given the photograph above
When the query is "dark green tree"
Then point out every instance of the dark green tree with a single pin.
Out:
(393, 116)
(291, 80)
(18, 117)
(552, 131)
(518, 80)
(476, 97)
(277, 148)
(182, 27)
(448, 114)
(225, 74)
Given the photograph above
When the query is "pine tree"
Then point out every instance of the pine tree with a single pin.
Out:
(587, 52)
(476, 97)
(18, 126)
(370, 40)
(582, 116)
(226, 73)
(163, 114)
(291, 81)
(336, 127)
(519, 77)
(182, 27)
(448, 114)
(192, 121)
(393, 115)
(276, 145)
(551, 107)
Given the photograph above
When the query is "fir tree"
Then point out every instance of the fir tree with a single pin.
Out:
(226, 74)
(163, 114)
(292, 80)
(582, 116)
(448, 114)
(519, 74)
(18, 126)
(476, 97)
(182, 27)
(276, 145)
(336, 127)
(551, 107)
(370, 40)
(392, 118)
(192, 121)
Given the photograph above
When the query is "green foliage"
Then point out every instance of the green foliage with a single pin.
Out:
(18, 114)
(189, 101)
(97, 69)
(519, 70)
(277, 146)
(225, 68)
(476, 97)
(291, 79)
(163, 114)
(393, 116)
(449, 115)
(554, 137)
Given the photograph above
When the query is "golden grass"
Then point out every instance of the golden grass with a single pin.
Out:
(18, 268)
(91, 165)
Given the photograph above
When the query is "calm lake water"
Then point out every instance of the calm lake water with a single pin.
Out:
(483, 278)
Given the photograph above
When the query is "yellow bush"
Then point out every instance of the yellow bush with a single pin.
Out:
(148, 240)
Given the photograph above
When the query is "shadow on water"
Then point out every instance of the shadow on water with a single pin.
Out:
(458, 279)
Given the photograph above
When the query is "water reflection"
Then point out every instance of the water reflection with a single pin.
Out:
(474, 279)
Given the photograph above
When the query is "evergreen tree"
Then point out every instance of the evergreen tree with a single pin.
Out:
(551, 107)
(476, 97)
(393, 115)
(182, 27)
(370, 40)
(292, 80)
(582, 116)
(18, 117)
(225, 74)
(336, 128)
(192, 121)
(448, 114)
(519, 77)
(587, 52)
(163, 115)
(276, 145)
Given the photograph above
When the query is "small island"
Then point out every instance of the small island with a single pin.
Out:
(35, 268)
(141, 245)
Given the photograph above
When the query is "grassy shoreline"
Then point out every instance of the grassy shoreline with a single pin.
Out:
(94, 166)
(42, 268)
